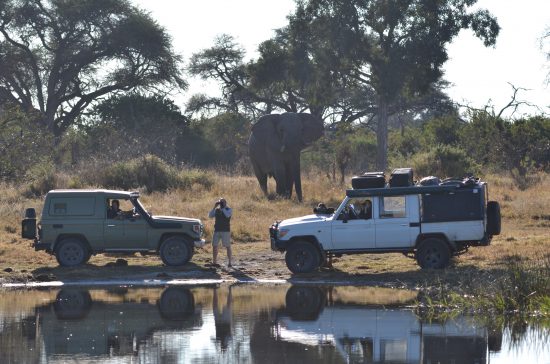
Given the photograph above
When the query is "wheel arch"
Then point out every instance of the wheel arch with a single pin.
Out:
(421, 237)
(312, 239)
(80, 237)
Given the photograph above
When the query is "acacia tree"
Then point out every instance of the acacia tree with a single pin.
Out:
(242, 86)
(394, 47)
(59, 56)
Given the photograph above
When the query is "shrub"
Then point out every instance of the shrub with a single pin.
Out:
(444, 161)
(42, 177)
(152, 173)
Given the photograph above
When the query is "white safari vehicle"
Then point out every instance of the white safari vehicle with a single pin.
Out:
(429, 223)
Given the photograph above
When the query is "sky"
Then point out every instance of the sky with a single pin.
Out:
(478, 75)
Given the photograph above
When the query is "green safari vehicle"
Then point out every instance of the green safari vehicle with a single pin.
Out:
(76, 224)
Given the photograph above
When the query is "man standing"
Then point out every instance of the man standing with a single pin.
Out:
(222, 229)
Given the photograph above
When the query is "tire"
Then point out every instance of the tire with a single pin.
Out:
(433, 253)
(71, 252)
(302, 257)
(176, 303)
(175, 251)
(493, 218)
(72, 304)
(304, 303)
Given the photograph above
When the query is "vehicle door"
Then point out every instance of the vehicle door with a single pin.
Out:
(393, 223)
(113, 228)
(353, 228)
(135, 231)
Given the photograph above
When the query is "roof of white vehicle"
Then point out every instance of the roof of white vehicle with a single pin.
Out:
(412, 190)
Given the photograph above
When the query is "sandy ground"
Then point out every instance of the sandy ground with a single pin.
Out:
(255, 262)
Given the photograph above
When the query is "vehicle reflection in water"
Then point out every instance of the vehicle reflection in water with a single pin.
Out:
(236, 323)
(77, 325)
(379, 334)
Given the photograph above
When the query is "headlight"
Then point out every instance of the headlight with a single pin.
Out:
(197, 228)
(282, 232)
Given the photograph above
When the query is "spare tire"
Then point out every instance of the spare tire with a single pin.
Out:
(493, 218)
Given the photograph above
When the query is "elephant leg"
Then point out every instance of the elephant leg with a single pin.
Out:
(297, 178)
(261, 177)
(280, 178)
(289, 181)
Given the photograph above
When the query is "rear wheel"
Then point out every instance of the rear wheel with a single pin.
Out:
(71, 252)
(433, 253)
(493, 218)
(175, 251)
(71, 304)
(302, 257)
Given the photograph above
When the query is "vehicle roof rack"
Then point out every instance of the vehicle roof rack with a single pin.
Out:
(397, 191)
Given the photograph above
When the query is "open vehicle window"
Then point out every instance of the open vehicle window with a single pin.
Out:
(356, 208)
(125, 206)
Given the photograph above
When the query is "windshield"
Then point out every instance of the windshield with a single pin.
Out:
(139, 208)
(342, 205)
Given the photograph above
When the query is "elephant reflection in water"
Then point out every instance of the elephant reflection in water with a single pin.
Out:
(275, 144)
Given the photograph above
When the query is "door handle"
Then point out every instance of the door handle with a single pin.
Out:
(110, 225)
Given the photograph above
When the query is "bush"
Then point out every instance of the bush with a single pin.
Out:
(152, 173)
(42, 177)
(444, 161)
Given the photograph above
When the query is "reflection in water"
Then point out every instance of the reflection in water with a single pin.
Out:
(243, 323)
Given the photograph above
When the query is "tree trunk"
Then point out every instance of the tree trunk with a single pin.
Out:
(382, 136)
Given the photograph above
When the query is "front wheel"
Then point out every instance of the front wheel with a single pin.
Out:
(302, 257)
(433, 253)
(304, 303)
(71, 252)
(176, 303)
(175, 251)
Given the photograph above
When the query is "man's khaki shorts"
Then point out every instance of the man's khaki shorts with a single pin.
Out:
(224, 236)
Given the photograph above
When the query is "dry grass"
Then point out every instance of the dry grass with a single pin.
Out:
(526, 233)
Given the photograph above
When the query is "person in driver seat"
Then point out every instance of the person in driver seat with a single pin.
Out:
(366, 210)
(114, 210)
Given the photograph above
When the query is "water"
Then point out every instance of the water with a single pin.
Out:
(250, 324)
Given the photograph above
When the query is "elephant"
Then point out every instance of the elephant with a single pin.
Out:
(275, 143)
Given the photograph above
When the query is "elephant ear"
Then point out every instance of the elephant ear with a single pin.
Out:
(266, 129)
(312, 128)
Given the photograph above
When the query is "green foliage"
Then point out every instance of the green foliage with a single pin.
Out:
(525, 147)
(481, 138)
(60, 49)
(152, 173)
(139, 112)
(406, 142)
(22, 143)
(445, 130)
(350, 151)
(444, 161)
(42, 178)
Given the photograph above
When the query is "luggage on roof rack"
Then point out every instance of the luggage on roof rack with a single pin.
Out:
(401, 177)
(369, 180)
(429, 181)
